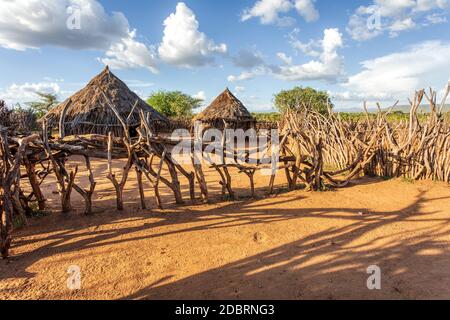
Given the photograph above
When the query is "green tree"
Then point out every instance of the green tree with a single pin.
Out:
(174, 104)
(45, 103)
(299, 98)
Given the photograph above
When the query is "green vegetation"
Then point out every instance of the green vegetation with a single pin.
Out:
(174, 104)
(299, 98)
(46, 102)
(392, 117)
(267, 117)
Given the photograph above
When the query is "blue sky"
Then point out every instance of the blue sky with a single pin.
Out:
(375, 50)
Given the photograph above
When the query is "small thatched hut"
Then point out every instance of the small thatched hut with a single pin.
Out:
(88, 110)
(226, 109)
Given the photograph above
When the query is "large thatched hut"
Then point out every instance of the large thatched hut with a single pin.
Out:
(88, 111)
(227, 110)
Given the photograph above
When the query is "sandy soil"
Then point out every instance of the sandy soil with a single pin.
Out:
(296, 245)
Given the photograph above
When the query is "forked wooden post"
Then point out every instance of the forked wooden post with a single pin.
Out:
(141, 188)
(30, 168)
(87, 193)
(118, 186)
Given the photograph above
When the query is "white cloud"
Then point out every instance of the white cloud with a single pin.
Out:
(26, 92)
(435, 18)
(427, 5)
(329, 65)
(392, 16)
(32, 24)
(248, 75)
(401, 25)
(131, 54)
(139, 83)
(269, 11)
(183, 44)
(284, 58)
(200, 95)
(312, 48)
(397, 75)
(307, 10)
(29, 24)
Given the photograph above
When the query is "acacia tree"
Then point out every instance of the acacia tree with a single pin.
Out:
(174, 104)
(45, 103)
(299, 98)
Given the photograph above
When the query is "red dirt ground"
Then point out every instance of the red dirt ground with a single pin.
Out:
(296, 245)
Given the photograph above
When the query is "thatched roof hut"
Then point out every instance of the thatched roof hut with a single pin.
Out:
(88, 110)
(226, 108)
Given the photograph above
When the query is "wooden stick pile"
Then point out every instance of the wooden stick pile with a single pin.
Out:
(416, 149)
(315, 150)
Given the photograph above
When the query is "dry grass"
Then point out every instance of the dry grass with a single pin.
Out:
(226, 107)
(88, 111)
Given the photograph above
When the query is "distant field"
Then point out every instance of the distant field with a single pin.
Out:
(404, 108)
(267, 117)
(400, 113)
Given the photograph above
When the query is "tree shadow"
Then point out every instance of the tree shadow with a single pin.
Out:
(329, 265)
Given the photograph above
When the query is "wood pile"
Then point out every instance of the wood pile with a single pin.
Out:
(416, 149)
(314, 150)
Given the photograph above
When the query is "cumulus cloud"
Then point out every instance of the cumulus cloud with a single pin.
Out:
(201, 95)
(73, 24)
(270, 11)
(307, 10)
(396, 75)
(393, 16)
(26, 92)
(328, 65)
(131, 54)
(183, 44)
(29, 24)
(84, 24)
(311, 48)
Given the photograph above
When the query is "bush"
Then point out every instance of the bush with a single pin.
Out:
(174, 104)
(300, 98)
(24, 120)
(18, 119)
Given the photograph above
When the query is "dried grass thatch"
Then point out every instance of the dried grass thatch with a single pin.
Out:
(226, 107)
(87, 111)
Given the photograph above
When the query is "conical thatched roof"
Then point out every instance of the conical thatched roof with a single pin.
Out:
(88, 111)
(226, 107)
